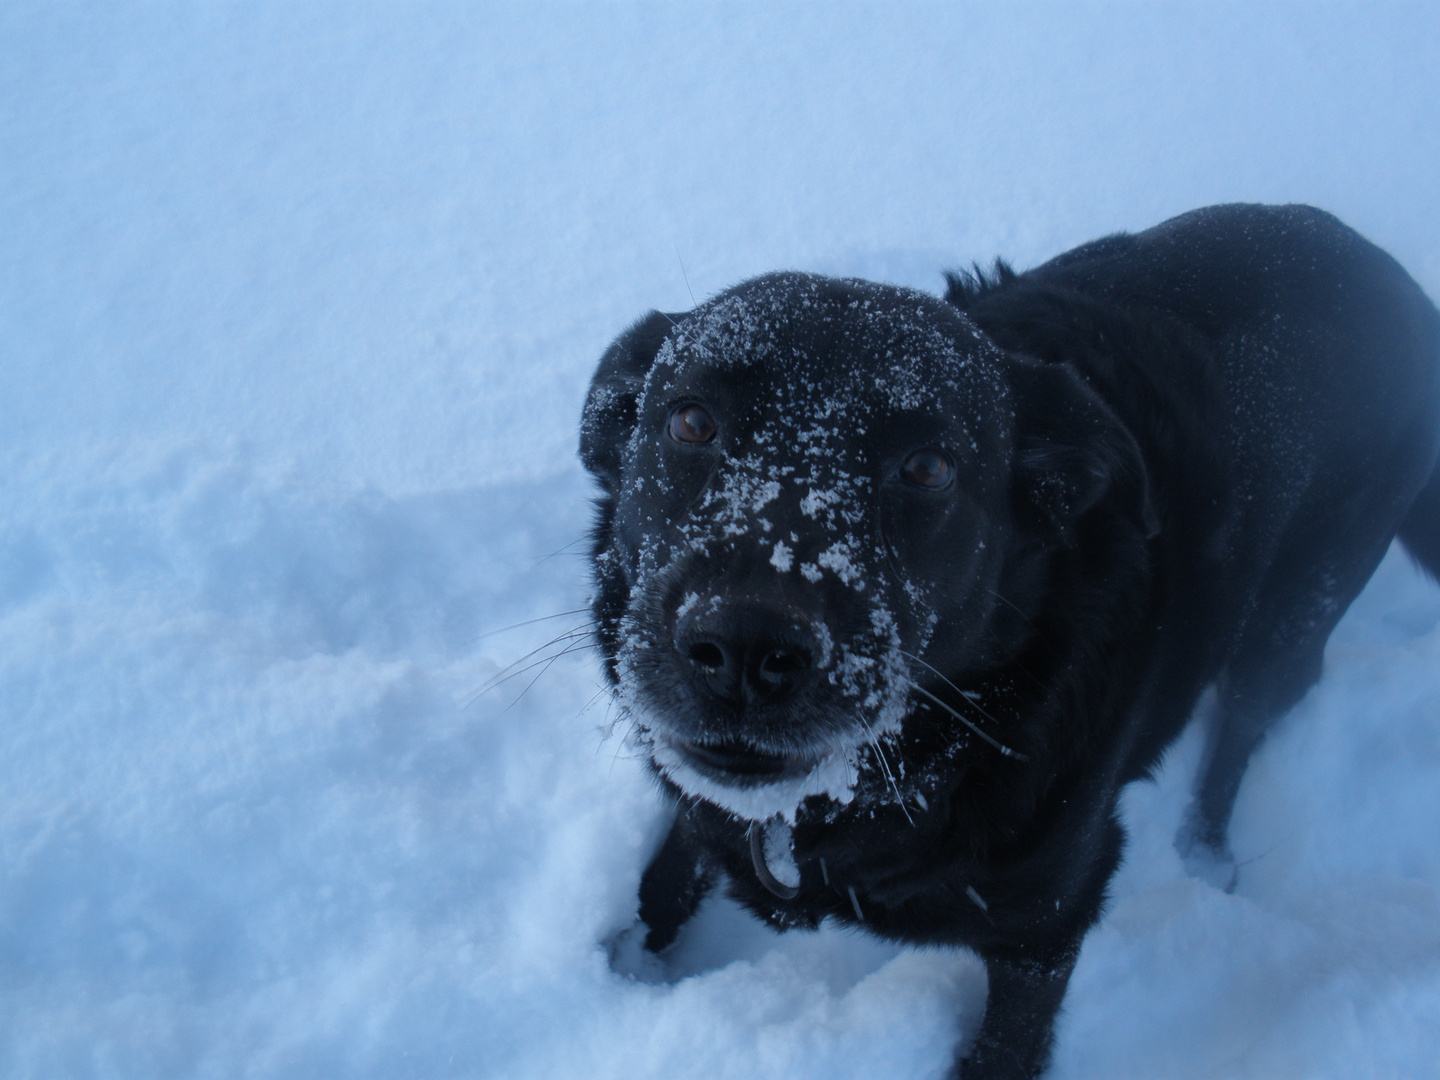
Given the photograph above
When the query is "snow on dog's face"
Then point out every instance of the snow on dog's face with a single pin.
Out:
(806, 502)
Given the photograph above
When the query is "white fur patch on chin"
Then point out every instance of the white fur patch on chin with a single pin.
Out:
(833, 776)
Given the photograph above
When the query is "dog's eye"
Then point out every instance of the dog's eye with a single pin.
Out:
(928, 469)
(692, 424)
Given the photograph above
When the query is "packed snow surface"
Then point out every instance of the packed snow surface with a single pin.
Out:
(297, 308)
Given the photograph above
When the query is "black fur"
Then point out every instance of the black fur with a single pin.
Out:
(1178, 456)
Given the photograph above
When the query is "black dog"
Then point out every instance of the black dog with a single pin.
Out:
(900, 593)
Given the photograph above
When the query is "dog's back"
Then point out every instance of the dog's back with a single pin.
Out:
(1291, 415)
(1324, 355)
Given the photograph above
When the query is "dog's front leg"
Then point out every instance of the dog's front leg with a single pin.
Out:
(674, 883)
(1026, 987)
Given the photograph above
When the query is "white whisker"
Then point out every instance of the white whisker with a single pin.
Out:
(971, 725)
(885, 768)
(528, 622)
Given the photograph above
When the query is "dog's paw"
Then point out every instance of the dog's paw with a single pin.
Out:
(630, 958)
(1204, 859)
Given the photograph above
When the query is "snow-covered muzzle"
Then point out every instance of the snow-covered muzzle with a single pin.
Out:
(768, 580)
(755, 694)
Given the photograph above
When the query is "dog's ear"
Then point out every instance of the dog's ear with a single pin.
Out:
(1071, 453)
(609, 415)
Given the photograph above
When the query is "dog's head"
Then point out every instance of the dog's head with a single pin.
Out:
(819, 495)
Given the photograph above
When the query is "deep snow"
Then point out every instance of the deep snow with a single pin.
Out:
(297, 306)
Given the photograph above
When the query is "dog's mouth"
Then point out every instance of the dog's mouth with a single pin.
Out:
(738, 763)
(755, 782)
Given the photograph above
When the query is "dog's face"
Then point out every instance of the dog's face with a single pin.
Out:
(810, 504)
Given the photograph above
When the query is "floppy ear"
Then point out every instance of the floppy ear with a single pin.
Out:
(1072, 453)
(609, 414)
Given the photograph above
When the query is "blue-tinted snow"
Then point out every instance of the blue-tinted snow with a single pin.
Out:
(297, 306)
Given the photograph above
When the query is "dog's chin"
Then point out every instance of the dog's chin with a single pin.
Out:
(756, 784)
(740, 764)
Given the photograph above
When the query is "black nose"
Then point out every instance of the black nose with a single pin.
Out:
(746, 654)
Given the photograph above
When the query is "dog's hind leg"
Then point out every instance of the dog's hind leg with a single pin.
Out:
(1253, 695)
(1314, 577)
(1420, 531)
(1276, 660)
(674, 883)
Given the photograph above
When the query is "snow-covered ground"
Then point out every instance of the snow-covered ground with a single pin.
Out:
(297, 307)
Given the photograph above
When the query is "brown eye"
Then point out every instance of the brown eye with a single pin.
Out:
(928, 469)
(692, 424)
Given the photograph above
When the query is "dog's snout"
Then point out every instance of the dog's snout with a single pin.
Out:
(747, 654)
